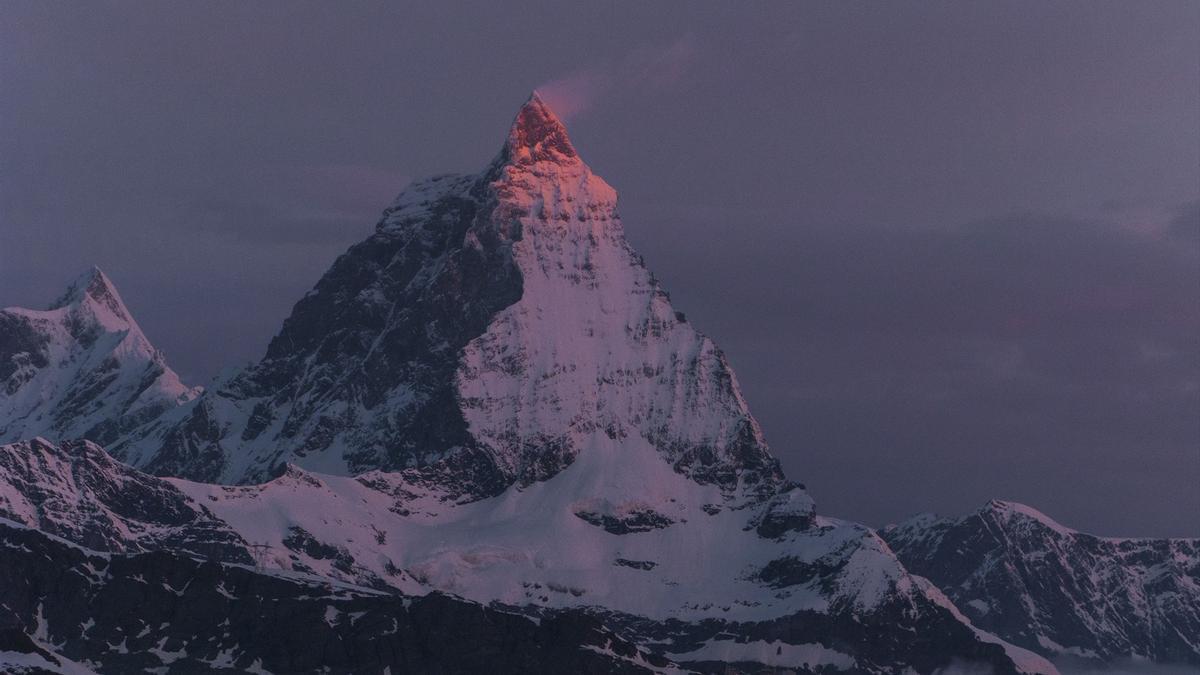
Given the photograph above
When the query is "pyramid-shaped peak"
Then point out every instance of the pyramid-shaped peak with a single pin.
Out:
(94, 288)
(537, 134)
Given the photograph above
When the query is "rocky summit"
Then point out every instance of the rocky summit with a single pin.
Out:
(493, 326)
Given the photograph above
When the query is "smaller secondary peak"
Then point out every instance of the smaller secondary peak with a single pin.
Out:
(1015, 510)
(537, 134)
(95, 289)
(289, 474)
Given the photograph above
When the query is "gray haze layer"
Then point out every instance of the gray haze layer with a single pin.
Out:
(953, 250)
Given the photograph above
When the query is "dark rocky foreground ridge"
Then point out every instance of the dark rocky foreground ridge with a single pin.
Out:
(173, 588)
(166, 612)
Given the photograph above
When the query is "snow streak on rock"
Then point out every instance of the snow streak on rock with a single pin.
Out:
(490, 327)
(683, 578)
(74, 490)
(81, 369)
(1018, 573)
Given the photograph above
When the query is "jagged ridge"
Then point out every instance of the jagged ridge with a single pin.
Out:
(74, 490)
(81, 369)
(824, 593)
(1018, 573)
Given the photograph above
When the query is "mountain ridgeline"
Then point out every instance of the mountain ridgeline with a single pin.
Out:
(1014, 571)
(82, 368)
(486, 424)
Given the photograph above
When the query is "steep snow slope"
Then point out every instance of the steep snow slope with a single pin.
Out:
(594, 344)
(618, 529)
(490, 326)
(81, 369)
(530, 423)
(1018, 573)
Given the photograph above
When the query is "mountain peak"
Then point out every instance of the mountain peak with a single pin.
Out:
(537, 134)
(94, 288)
(1015, 511)
(81, 368)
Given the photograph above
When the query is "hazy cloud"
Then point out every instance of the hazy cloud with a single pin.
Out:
(282, 205)
(1186, 223)
(649, 67)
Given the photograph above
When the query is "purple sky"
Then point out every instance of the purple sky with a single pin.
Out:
(952, 249)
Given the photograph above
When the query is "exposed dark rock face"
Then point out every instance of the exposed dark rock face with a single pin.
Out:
(636, 564)
(789, 571)
(74, 490)
(22, 348)
(31, 658)
(792, 510)
(196, 451)
(130, 613)
(1056, 591)
(366, 361)
(876, 646)
(300, 541)
(638, 520)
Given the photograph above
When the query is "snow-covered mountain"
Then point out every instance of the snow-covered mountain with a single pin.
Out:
(630, 545)
(67, 609)
(492, 397)
(76, 491)
(486, 412)
(1018, 573)
(81, 369)
(494, 325)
